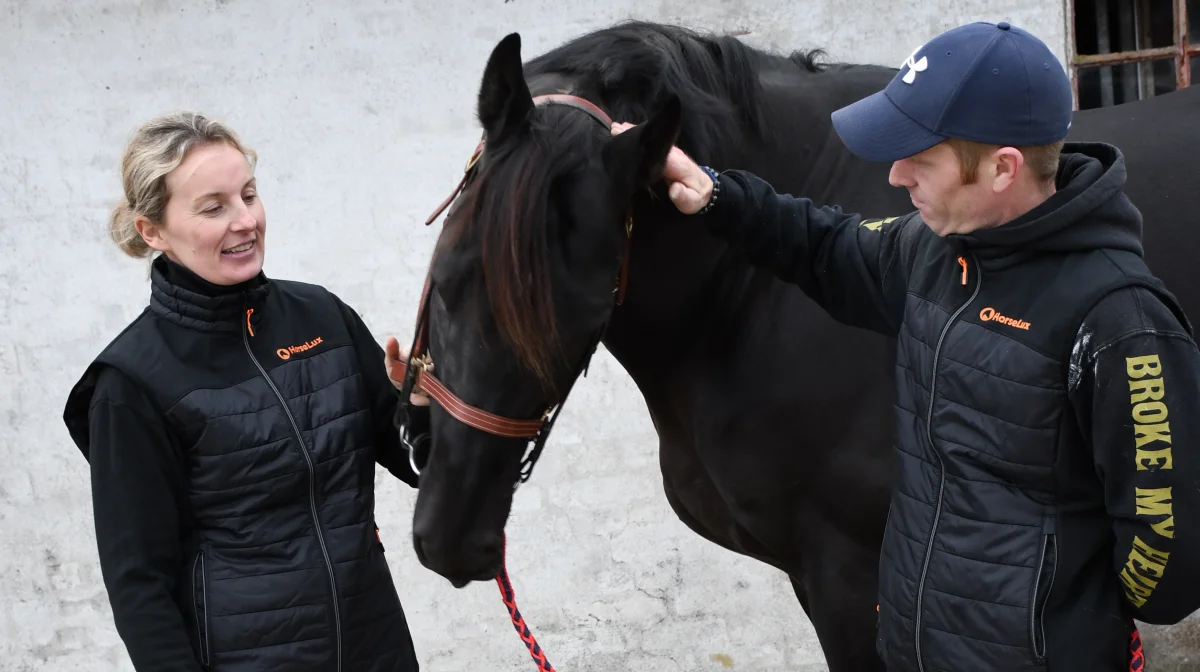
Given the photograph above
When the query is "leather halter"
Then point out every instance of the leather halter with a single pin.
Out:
(418, 371)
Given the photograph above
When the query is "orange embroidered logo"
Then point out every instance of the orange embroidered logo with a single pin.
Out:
(286, 353)
(990, 314)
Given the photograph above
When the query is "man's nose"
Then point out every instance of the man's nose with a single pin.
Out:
(898, 176)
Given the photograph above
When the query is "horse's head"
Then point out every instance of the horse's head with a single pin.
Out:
(522, 286)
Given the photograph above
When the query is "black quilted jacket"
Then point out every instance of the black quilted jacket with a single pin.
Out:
(1042, 497)
(232, 434)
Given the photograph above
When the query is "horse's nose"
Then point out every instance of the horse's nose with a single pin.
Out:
(419, 549)
(491, 546)
(477, 558)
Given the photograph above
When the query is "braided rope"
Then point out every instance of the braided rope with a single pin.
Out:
(1137, 658)
(1137, 662)
(510, 600)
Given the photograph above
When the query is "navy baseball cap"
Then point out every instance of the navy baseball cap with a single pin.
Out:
(987, 82)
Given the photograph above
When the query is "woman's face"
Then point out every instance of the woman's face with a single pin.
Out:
(214, 223)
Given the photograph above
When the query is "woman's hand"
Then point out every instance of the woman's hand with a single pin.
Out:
(393, 359)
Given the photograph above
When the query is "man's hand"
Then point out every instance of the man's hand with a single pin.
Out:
(393, 357)
(689, 187)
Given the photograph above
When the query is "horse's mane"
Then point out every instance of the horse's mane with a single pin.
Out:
(632, 68)
(629, 69)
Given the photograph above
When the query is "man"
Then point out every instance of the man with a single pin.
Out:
(1048, 407)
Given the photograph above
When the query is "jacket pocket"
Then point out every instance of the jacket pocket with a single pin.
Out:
(1043, 582)
(200, 605)
(887, 521)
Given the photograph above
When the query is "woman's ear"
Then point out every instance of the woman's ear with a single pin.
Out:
(151, 233)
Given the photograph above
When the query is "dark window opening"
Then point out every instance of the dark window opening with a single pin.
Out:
(1108, 85)
(1127, 50)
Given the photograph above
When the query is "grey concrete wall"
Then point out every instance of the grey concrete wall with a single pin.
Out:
(362, 113)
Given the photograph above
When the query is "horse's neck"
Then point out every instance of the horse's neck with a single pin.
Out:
(687, 292)
(686, 288)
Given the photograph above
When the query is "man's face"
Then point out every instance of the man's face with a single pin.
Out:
(934, 182)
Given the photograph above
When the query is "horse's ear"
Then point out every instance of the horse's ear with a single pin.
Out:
(635, 158)
(504, 99)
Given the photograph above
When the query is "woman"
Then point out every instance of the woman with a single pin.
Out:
(232, 430)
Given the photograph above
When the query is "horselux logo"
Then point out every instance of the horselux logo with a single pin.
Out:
(990, 314)
(286, 353)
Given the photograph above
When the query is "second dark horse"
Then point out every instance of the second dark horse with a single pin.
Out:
(775, 422)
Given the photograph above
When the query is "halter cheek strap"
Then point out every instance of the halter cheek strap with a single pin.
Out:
(416, 375)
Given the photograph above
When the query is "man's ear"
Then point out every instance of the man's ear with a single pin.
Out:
(504, 103)
(1008, 166)
(635, 159)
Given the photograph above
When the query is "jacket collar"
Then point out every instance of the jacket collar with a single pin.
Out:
(180, 296)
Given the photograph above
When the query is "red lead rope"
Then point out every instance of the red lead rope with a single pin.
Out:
(1137, 658)
(1137, 662)
(510, 601)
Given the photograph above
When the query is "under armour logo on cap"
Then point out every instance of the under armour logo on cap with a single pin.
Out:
(914, 66)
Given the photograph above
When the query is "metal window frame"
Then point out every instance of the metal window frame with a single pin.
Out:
(1181, 51)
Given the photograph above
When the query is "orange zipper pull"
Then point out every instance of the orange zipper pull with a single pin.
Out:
(250, 327)
(963, 262)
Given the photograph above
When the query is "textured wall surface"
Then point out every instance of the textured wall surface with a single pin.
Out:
(362, 113)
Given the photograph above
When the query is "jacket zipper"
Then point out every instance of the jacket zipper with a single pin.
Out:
(1037, 607)
(937, 513)
(312, 495)
(886, 521)
(202, 632)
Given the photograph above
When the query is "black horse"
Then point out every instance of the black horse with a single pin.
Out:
(775, 421)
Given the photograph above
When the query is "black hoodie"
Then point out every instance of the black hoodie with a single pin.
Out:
(1088, 211)
(1044, 376)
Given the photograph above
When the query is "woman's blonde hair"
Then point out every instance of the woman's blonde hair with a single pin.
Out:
(157, 148)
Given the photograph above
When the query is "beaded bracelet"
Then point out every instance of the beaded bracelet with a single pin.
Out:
(716, 191)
